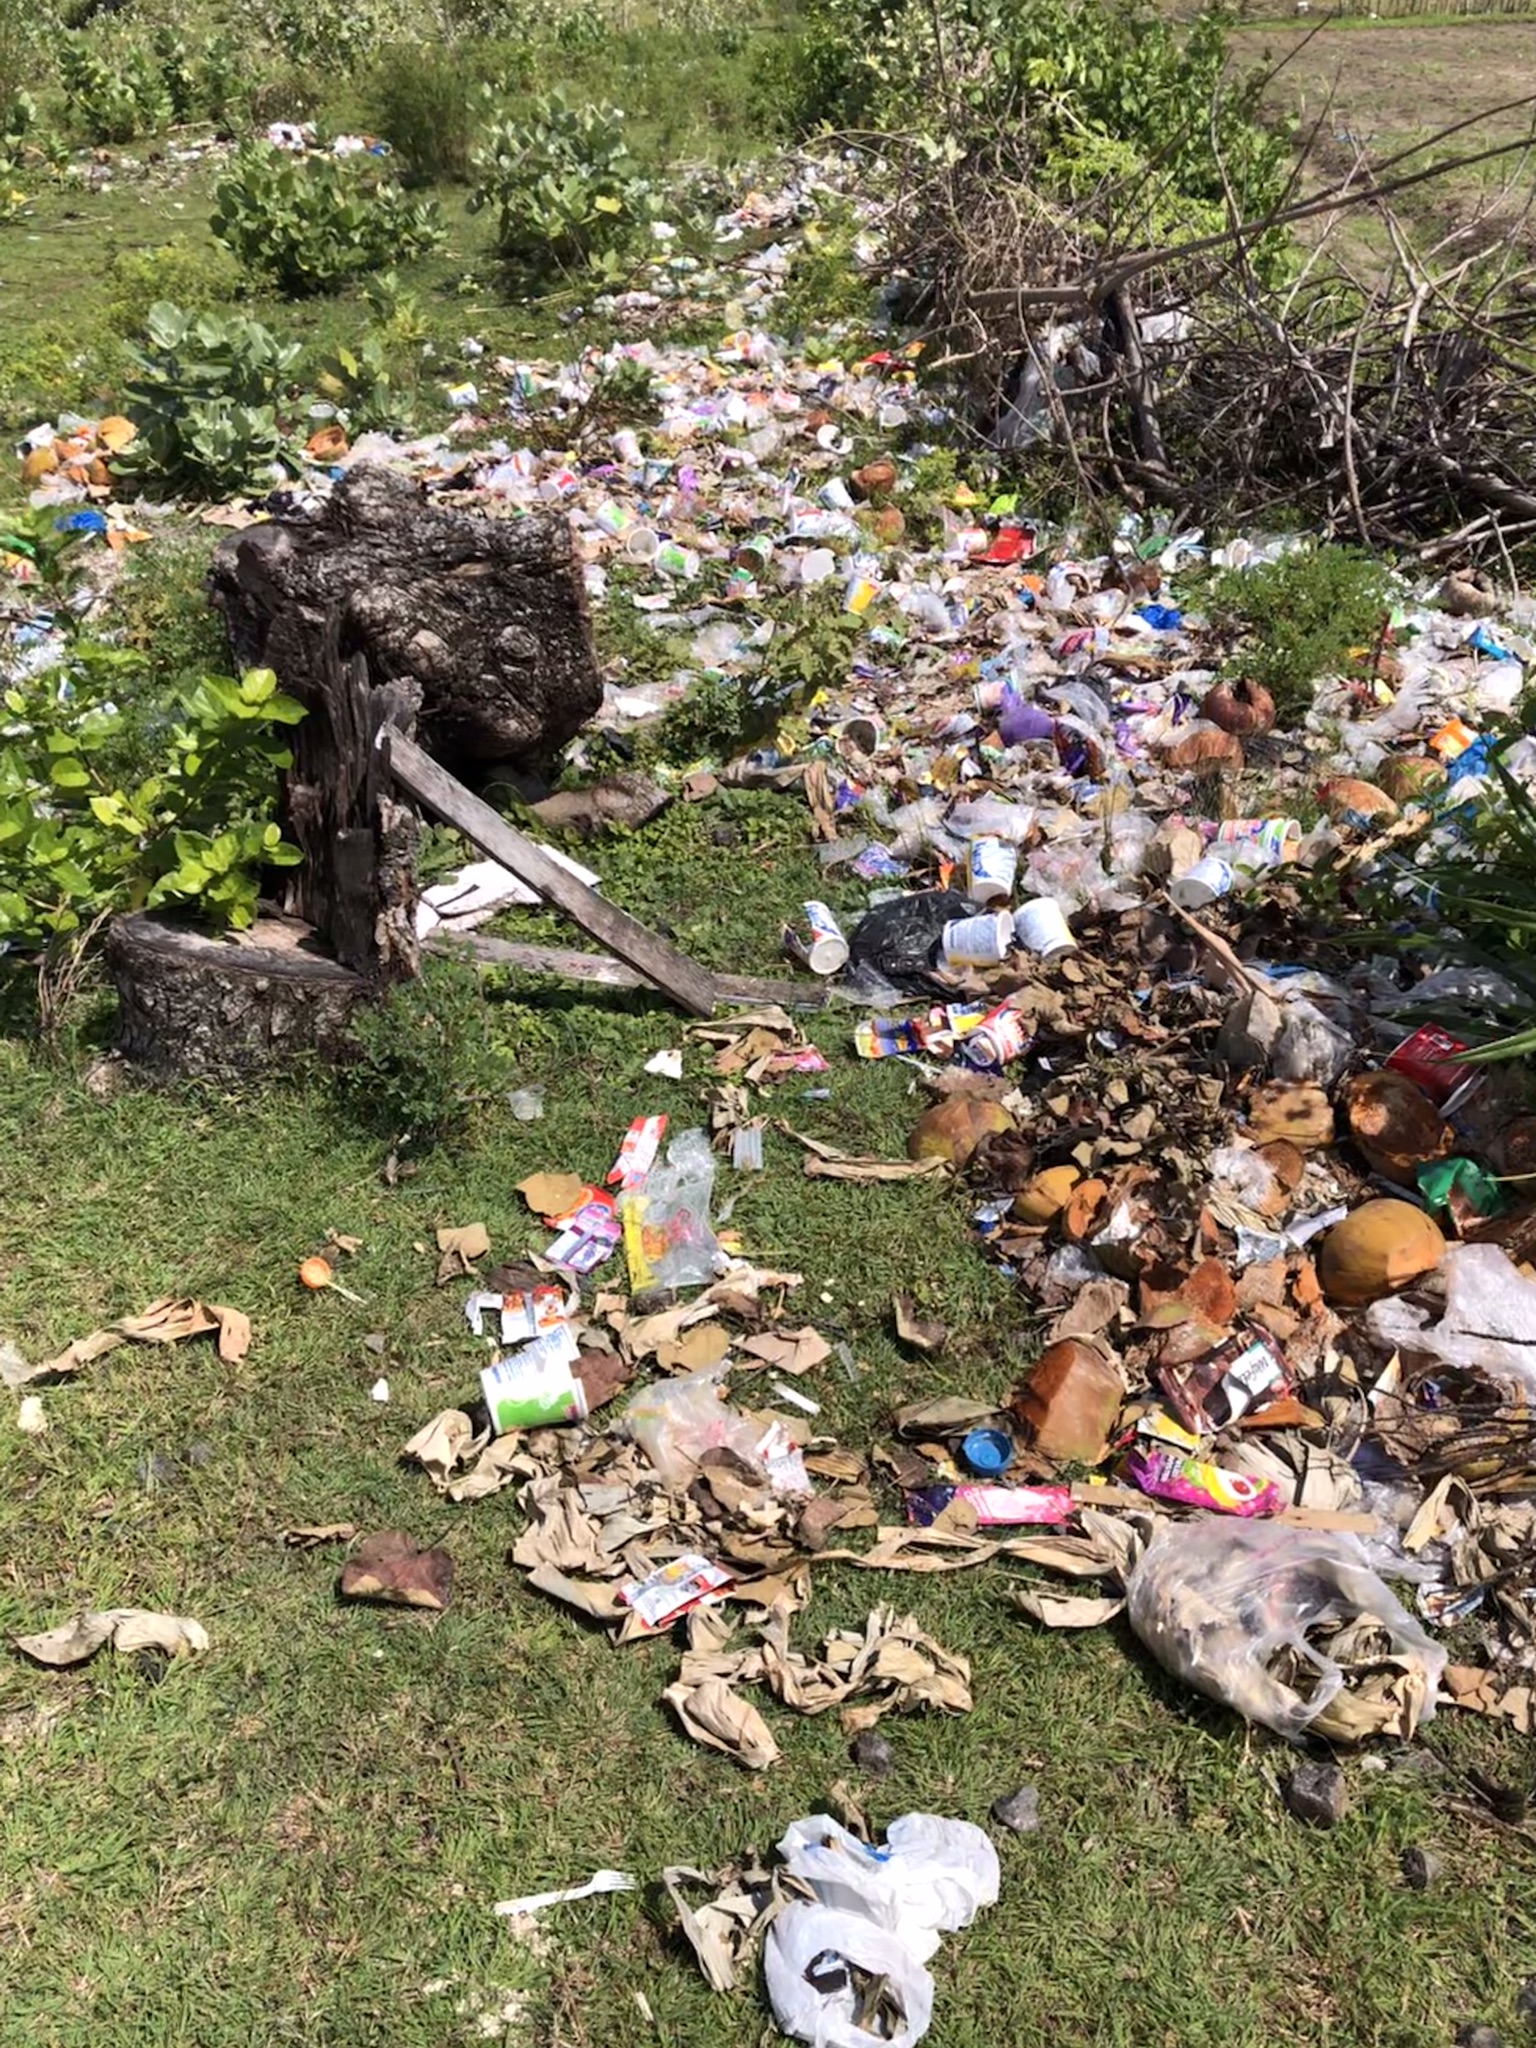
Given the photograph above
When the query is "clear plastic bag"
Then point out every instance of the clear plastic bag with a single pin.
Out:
(676, 1421)
(1489, 1325)
(667, 1237)
(932, 1876)
(812, 1962)
(1236, 1610)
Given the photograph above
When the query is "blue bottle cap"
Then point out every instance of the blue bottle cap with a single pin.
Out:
(987, 1452)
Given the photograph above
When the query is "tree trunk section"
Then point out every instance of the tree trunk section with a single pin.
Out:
(485, 617)
(190, 1005)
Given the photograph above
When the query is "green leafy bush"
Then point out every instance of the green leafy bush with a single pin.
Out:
(313, 223)
(188, 273)
(1059, 78)
(114, 86)
(103, 810)
(203, 396)
(565, 189)
(1296, 619)
(422, 102)
(423, 1062)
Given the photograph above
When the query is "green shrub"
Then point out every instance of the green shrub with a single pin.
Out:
(161, 614)
(1295, 619)
(203, 396)
(106, 809)
(422, 102)
(1058, 78)
(189, 274)
(423, 1063)
(313, 223)
(113, 84)
(566, 192)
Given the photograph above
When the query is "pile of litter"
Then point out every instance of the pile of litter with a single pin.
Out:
(1262, 1215)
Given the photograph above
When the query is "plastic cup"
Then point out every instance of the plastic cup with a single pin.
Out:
(978, 941)
(1041, 927)
(994, 865)
(1205, 881)
(987, 1451)
(1273, 839)
(537, 1392)
(641, 543)
(822, 945)
(836, 496)
(672, 559)
(626, 445)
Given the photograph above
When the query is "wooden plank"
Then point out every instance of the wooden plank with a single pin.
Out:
(733, 990)
(684, 980)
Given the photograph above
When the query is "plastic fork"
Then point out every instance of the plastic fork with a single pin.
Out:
(535, 1902)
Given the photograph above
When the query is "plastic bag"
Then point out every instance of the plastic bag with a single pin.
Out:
(1489, 1325)
(667, 1238)
(812, 1962)
(676, 1421)
(1236, 1610)
(900, 939)
(932, 1876)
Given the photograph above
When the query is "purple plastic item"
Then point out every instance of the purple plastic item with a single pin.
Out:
(1020, 721)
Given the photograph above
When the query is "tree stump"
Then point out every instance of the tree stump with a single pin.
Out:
(486, 618)
(194, 1005)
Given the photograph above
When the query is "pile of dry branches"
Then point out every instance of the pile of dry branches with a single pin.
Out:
(1382, 389)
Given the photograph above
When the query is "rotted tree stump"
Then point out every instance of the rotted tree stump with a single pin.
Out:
(484, 619)
(203, 1007)
(384, 611)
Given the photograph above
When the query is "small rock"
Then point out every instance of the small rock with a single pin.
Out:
(1415, 1763)
(156, 1469)
(1316, 1794)
(1525, 2002)
(199, 1454)
(872, 1753)
(1020, 1811)
(1479, 2037)
(1420, 1868)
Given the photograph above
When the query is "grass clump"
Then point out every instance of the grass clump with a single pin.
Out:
(1301, 617)
(424, 1062)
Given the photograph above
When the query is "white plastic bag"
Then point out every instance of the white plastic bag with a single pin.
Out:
(932, 1876)
(1229, 1606)
(1489, 1325)
(813, 1991)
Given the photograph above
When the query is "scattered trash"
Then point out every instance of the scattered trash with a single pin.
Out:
(129, 1630)
(537, 1902)
(168, 1321)
(1289, 1627)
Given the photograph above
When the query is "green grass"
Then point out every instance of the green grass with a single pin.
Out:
(294, 1837)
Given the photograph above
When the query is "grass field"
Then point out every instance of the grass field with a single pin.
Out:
(1382, 87)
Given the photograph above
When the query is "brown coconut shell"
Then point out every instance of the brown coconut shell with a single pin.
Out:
(1346, 797)
(1070, 1402)
(1393, 1123)
(952, 1130)
(1407, 777)
(1244, 708)
(1047, 1195)
(1377, 1249)
(1207, 753)
(875, 479)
